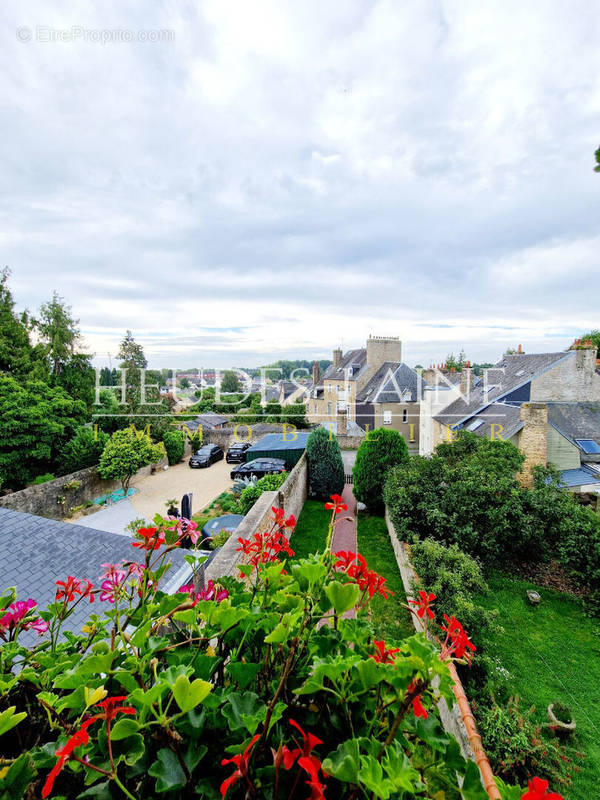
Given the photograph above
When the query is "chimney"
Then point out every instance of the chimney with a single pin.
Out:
(533, 441)
(342, 423)
(337, 357)
(585, 359)
(467, 381)
(383, 348)
(316, 374)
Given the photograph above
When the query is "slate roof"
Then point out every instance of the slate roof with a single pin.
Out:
(208, 420)
(496, 414)
(510, 373)
(576, 420)
(37, 552)
(583, 476)
(389, 383)
(338, 373)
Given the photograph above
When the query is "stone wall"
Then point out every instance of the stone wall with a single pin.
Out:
(533, 440)
(290, 496)
(55, 500)
(574, 379)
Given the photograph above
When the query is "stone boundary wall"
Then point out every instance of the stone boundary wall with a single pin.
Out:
(290, 496)
(45, 499)
(459, 720)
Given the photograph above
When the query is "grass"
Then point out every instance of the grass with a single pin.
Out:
(310, 533)
(390, 619)
(552, 653)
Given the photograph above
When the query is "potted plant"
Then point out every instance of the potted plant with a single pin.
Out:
(172, 510)
(561, 719)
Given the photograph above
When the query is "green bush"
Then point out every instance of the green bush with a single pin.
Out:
(83, 450)
(516, 746)
(48, 476)
(251, 493)
(174, 442)
(378, 453)
(454, 578)
(326, 474)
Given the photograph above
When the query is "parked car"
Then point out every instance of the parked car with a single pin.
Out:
(259, 467)
(207, 455)
(237, 453)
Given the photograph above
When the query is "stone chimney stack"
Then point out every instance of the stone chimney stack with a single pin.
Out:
(534, 439)
(585, 360)
(342, 423)
(316, 374)
(337, 357)
(383, 348)
(467, 381)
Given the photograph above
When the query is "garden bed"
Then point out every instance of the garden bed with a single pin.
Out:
(551, 652)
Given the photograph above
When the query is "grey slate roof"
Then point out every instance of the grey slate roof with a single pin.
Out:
(358, 357)
(37, 552)
(208, 420)
(389, 383)
(508, 374)
(582, 476)
(576, 420)
(497, 414)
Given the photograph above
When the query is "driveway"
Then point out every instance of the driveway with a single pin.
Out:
(154, 490)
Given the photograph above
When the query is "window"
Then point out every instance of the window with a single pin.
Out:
(588, 446)
(387, 417)
(328, 409)
(405, 415)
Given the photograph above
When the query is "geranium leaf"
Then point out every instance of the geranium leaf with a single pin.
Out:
(189, 695)
(167, 771)
(342, 596)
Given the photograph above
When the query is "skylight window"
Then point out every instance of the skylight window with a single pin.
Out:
(588, 446)
(477, 423)
(519, 373)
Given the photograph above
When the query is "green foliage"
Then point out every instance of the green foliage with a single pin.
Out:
(47, 476)
(17, 357)
(127, 451)
(377, 454)
(269, 483)
(326, 474)
(83, 450)
(597, 155)
(593, 336)
(192, 694)
(131, 354)
(295, 414)
(135, 524)
(36, 421)
(174, 442)
(273, 412)
(230, 382)
(454, 578)
(515, 745)
(220, 539)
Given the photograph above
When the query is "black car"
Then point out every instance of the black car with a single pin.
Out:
(259, 467)
(237, 453)
(207, 454)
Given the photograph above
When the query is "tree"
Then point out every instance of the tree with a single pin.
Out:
(16, 352)
(272, 411)
(326, 473)
(83, 450)
(230, 383)
(126, 452)
(295, 414)
(59, 332)
(36, 421)
(184, 383)
(597, 154)
(131, 353)
(377, 454)
(456, 362)
(174, 442)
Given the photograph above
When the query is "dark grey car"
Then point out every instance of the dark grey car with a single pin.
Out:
(206, 456)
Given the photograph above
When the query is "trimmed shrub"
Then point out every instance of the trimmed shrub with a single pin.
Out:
(83, 450)
(251, 493)
(174, 442)
(378, 453)
(326, 474)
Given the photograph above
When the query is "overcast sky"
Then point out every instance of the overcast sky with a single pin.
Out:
(272, 179)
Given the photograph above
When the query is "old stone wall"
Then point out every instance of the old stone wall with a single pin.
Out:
(56, 499)
(533, 440)
(574, 379)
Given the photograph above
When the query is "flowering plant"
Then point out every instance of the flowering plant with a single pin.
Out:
(254, 687)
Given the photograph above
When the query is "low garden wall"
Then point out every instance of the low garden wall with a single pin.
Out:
(458, 721)
(290, 496)
(56, 499)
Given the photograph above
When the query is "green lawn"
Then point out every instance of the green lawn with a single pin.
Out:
(390, 619)
(552, 652)
(310, 533)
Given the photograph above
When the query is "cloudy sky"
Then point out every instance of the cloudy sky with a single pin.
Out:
(241, 181)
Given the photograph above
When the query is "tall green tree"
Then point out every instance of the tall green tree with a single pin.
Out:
(597, 154)
(83, 450)
(59, 331)
(378, 453)
(36, 421)
(230, 383)
(131, 353)
(326, 474)
(17, 357)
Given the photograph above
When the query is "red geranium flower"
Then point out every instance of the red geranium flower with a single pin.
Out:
(316, 787)
(241, 762)
(538, 790)
(111, 708)
(69, 589)
(457, 643)
(418, 708)
(309, 742)
(424, 604)
(337, 504)
(151, 539)
(383, 656)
